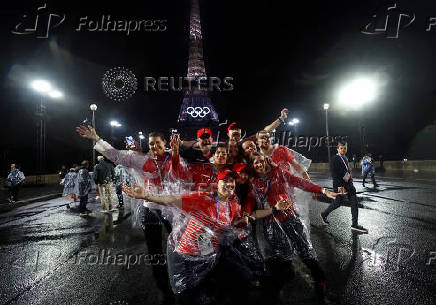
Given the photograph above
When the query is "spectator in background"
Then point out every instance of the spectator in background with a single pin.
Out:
(103, 177)
(368, 167)
(380, 159)
(354, 161)
(13, 182)
(122, 176)
(84, 182)
(62, 172)
(71, 187)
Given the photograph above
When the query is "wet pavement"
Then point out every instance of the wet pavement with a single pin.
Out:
(49, 255)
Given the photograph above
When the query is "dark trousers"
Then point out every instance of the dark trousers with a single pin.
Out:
(152, 224)
(13, 192)
(371, 173)
(83, 203)
(119, 192)
(352, 198)
(226, 279)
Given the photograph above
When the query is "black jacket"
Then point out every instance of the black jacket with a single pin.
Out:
(338, 170)
(103, 172)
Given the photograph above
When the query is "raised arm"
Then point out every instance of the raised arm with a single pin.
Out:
(127, 158)
(307, 185)
(276, 123)
(166, 200)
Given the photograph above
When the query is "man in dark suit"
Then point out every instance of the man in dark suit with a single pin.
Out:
(343, 183)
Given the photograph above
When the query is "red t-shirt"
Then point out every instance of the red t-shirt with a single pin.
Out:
(162, 168)
(275, 186)
(282, 157)
(205, 226)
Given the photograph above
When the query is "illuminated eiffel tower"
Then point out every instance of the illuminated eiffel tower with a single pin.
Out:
(196, 109)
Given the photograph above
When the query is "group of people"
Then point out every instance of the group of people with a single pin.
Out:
(241, 203)
(78, 183)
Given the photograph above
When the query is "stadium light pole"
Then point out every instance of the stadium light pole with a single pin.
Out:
(93, 108)
(326, 108)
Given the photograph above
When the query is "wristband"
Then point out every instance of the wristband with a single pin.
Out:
(323, 190)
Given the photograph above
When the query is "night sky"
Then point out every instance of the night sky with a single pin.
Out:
(280, 54)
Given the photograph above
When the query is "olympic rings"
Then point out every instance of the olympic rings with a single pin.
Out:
(196, 112)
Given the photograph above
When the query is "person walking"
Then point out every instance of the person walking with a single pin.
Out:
(368, 167)
(13, 182)
(71, 187)
(103, 177)
(343, 184)
(84, 182)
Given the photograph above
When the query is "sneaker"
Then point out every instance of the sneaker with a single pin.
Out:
(359, 228)
(324, 219)
(83, 214)
(363, 185)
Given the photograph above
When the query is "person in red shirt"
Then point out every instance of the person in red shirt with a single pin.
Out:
(194, 253)
(279, 231)
(155, 169)
(199, 151)
(279, 154)
(204, 174)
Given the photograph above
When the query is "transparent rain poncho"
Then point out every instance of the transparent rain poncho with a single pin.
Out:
(283, 234)
(205, 230)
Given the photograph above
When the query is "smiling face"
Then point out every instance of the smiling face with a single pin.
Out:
(220, 156)
(234, 134)
(156, 145)
(205, 142)
(249, 147)
(263, 140)
(226, 187)
(259, 164)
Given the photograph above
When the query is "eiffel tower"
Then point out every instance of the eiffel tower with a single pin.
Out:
(196, 110)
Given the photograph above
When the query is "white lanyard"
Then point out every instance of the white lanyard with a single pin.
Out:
(346, 166)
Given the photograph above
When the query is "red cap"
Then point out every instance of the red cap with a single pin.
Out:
(234, 125)
(203, 131)
(226, 173)
(239, 167)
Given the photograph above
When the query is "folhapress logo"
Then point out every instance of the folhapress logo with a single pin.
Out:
(388, 20)
(39, 24)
